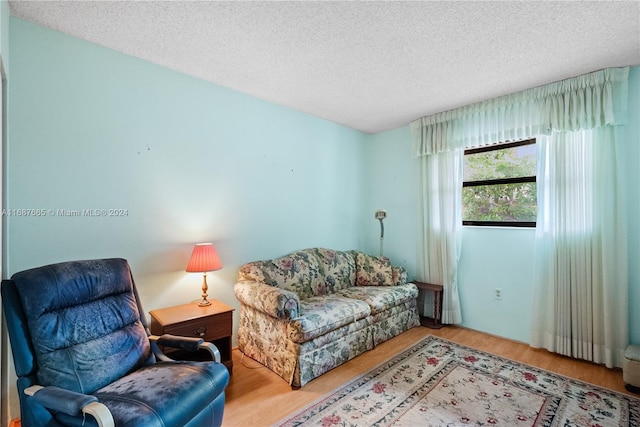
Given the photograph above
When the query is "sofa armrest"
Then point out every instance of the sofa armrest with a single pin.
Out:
(275, 302)
(400, 276)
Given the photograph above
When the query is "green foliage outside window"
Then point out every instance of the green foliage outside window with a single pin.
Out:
(500, 185)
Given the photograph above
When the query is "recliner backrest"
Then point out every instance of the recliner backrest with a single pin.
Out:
(85, 322)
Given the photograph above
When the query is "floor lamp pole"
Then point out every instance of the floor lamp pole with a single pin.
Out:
(381, 236)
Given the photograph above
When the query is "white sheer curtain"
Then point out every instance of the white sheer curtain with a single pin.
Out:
(440, 204)
(580, 306)
(593, 105)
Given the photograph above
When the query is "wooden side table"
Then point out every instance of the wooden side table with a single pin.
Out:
(435, 321)
(213, 323)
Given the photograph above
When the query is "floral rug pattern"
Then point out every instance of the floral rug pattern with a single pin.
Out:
(441, 383)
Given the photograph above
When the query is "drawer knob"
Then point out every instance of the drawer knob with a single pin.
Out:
(200, 332)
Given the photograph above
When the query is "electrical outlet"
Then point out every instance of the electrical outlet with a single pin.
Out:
(498, 293)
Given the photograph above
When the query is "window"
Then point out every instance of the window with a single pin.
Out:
(499, 186)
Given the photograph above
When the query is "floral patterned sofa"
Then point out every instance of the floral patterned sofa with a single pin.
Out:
(306, 313)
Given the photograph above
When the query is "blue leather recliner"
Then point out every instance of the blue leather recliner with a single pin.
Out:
(84, 356)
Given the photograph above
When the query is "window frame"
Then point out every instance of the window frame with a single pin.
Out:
(500, 181)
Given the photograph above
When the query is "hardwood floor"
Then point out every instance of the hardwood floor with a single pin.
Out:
(258, 397)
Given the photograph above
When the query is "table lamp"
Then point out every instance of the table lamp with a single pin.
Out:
(204, 258)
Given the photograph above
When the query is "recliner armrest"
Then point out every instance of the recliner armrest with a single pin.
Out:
(212, 349)
(71, 403)
(175, 341)
(185, 343)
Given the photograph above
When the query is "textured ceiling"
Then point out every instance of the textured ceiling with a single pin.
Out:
(369, 65)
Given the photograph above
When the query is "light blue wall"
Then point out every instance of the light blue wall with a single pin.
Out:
(91, 128)
(391, 185)
(4, 32)
(491, 257)
(497, 258)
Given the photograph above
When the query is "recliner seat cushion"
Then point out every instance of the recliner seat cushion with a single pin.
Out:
(165, 394)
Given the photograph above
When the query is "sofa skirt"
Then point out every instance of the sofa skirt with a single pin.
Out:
(394, 321)
(264, 339)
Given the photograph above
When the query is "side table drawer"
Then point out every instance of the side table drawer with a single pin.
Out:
(209, 328)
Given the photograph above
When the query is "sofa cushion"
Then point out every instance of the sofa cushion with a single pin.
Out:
(323, 314)
(298, 272)
(372, 271)
(381, 298)
(339, 268)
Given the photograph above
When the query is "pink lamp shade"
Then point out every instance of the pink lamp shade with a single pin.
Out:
(204, 258)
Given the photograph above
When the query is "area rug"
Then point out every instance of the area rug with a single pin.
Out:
(441, 383)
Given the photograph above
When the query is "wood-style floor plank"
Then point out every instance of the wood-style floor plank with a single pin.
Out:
(258, 397)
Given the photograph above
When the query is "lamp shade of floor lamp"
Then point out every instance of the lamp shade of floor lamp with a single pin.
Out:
(204, 258)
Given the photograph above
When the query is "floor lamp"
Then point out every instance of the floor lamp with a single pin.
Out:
(380, 215)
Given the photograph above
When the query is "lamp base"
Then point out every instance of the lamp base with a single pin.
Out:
(204, 302)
